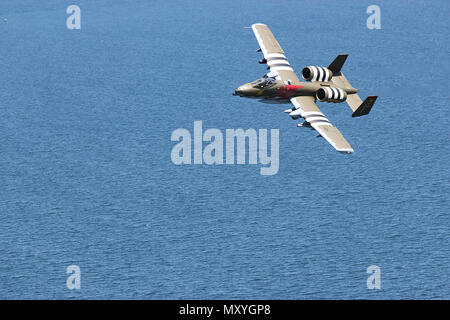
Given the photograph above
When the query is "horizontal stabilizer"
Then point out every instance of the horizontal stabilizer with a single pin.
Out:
(365, 107)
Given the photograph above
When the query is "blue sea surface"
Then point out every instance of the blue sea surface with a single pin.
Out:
(87, 179)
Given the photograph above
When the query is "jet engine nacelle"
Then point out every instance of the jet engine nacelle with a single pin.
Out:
(312, 73)
(328, 94)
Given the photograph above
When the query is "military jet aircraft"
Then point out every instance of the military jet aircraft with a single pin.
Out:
(281, 85)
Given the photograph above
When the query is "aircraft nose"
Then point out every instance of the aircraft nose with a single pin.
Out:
(238, 91)
(241, 90)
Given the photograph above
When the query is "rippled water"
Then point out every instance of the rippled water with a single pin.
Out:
(87, 178)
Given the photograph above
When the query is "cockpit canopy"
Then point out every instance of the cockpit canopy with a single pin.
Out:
(263, 83)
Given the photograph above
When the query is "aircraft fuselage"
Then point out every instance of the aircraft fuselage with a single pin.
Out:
(269, 90)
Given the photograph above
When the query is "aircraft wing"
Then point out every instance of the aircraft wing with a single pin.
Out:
(307, 108)
(273, 54)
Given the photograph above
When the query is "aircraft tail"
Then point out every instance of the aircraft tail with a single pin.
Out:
(365, 107)
(355, 103)
(359, 107)
(337, 64)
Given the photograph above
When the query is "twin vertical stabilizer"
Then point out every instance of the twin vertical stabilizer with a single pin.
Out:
(353, 100)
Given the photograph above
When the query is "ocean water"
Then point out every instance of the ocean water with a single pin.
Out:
(87, 179)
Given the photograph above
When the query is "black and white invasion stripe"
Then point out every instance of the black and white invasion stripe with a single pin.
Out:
(321, 74)
(277, 62)
(335, 93)
(313, 117)
(317, 118)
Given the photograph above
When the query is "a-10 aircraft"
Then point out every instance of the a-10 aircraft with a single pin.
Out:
(281, 85)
